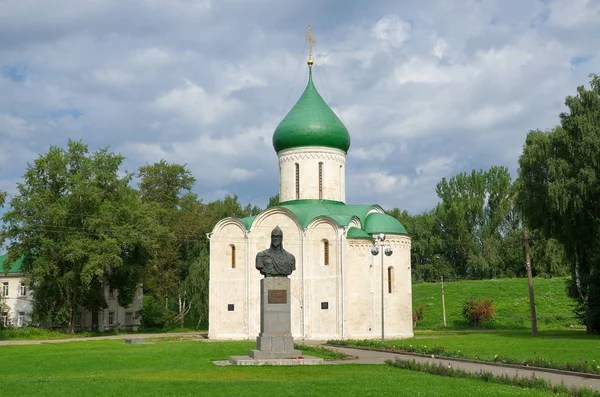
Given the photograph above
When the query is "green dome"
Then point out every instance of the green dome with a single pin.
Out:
(311, 122)
(383, 223)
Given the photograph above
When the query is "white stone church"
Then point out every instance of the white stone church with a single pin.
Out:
(337, 285)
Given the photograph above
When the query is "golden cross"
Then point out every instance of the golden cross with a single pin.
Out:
(311, 42)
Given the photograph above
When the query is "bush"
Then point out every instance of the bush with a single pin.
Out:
(477, 312)
(417, 314)
(155, 314)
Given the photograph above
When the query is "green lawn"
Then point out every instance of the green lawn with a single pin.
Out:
(106, 368)
(572, 350)
(561, 346)
(554, 309)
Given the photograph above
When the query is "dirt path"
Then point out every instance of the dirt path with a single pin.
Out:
(90, 338)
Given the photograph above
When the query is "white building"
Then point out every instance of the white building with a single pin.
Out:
(17, 299)
(337, 284)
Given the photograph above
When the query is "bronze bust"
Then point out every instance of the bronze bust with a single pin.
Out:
(275, 261)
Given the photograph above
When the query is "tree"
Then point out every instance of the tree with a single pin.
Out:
(273, 201)
(74, 221)
(474, 215)
(166, 189)
(559, 193)
(429, 262)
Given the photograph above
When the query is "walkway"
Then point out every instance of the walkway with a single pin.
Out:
(555, 377)
(120, 336)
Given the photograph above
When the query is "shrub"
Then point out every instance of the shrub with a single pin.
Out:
(477, 312)
(417, 314)
(155, 314)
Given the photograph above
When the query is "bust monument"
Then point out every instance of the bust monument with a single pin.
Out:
(275, 261)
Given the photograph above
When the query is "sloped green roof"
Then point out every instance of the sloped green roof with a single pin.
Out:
(307, 210)
(15, 267)
(355, 232)
(247, 221)
(383, 223)
(311, 122)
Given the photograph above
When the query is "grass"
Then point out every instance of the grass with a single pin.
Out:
(531, 383)
(562, 347)
(104, 368)
(511, 297)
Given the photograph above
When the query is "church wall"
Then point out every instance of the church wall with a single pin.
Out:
(228, 283)
(333, 175)
(398, 303)
(363, 289)
(359, 289)
(260, 239)
(322, 278)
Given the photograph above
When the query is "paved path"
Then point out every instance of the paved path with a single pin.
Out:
(364, 356)
(553, 376)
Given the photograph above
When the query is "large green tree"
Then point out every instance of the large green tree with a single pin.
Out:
(429, 262)
(474, 215)
(76, 222)
(559, 192)
(165, 188)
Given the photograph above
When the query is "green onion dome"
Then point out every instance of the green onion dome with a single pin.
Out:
(311, 122)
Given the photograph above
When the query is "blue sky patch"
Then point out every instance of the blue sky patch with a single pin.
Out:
(578, 60)
(73, 112)
(14, 73)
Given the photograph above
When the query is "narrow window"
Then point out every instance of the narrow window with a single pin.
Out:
(21, 319)
(111, 293)
(297, 181)
(5, 288)
(326, 252)
(390, 279)
(232, 256)
(4, 319)
(22, 289)
(78, 320)
(320, 181)
(111, 318)
(340, 182)
(128, 319)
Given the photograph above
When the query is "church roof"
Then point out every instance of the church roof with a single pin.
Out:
(383, 223)
(311, 122)
(308, 210)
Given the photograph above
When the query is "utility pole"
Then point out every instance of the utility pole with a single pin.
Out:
(443, 302)
(530, 283)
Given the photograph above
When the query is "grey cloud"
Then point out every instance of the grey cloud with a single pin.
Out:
(205, 83)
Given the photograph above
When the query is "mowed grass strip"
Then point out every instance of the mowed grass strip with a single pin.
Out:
(112, 368)
(511, 297)
(567, 346)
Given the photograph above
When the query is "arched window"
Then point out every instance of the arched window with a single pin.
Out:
(390, 279)
(297, 181)
(321, 181)
(232, 256)
(326, 252)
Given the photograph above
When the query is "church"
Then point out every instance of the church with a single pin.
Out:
(339, 289)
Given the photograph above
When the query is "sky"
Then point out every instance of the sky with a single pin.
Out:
(427, 89)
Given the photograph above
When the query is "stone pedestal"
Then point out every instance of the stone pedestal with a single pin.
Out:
(275, 338)
(274, 344)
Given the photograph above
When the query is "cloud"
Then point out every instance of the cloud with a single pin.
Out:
(426, 89)
(194, 105)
